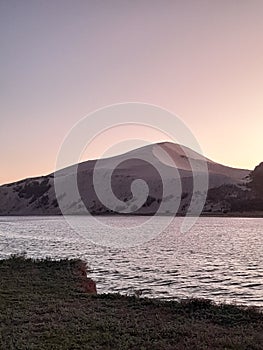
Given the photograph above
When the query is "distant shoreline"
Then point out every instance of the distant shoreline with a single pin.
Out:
(247, 214)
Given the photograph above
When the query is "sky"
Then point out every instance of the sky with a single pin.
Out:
(60, 60)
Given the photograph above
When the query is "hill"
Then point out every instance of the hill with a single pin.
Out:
(36, 196)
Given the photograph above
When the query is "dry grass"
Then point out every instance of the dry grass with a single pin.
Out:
(42, 306)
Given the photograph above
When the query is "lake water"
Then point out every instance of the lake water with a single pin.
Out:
(219, 258)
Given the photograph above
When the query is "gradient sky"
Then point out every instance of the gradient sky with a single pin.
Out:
(60, 60)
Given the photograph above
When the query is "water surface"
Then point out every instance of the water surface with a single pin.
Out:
(219, 258)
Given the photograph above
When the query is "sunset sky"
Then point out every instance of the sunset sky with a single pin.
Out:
(60, 60)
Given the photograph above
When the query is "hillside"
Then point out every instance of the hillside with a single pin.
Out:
(36, 196)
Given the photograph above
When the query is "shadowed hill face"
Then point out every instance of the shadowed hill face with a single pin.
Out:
(246, 198)
(257, 179)
(122, 178)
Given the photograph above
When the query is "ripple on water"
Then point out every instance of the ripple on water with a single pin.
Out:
(220, 258)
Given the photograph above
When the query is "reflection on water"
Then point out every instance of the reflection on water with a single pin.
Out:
(220, 258)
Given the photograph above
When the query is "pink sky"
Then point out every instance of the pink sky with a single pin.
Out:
(60, 60)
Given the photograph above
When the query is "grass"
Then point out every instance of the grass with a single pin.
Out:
(43, 306)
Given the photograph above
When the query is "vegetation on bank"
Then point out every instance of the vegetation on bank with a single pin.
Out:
(44, 304)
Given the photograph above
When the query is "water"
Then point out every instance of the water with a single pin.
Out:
(220, 258)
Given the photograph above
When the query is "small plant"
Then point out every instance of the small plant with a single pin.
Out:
(137, 293)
